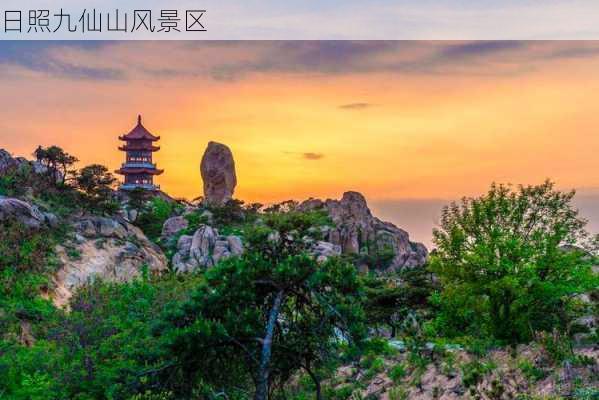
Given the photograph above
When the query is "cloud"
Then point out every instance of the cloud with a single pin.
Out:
(312, 156)
(477, 58)
(39, 57)
(234, 60)
(464, 51)
(355, 106)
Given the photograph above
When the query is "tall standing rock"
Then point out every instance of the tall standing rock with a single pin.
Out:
(218, 174)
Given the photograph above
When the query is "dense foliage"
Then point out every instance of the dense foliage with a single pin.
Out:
(269, 313)
(152, 215)
(96, 183)
(508, 262)
(267, 321)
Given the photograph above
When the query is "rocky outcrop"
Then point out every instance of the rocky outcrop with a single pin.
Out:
(7, 162)
(172, 226)
(25, 213)
(218, 174)
(106, 248)
(324, 250)
(204, 249)
(357, 231)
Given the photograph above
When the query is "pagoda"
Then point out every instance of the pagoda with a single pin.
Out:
(138, 168)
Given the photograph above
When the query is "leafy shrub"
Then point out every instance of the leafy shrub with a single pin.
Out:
(102, 349)
(398, 393)
(397, 373)
(588, 393)
(153, 215)
(375, 366)
(556, 345)
(474, 371)
(231, 213)
(530, 371)
(377, 346)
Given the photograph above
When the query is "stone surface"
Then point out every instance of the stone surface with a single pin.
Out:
(218, 174)
(25, 213)
(235, 245)
(323, 250)
(106, 248)
(356, 231)
(39, 168)
(172, 226)
(7, 162)
(204, 249)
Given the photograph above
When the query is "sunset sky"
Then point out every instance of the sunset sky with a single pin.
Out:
(411, 125)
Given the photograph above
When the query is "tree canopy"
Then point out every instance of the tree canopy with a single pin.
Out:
(271, 313)
(508, 261)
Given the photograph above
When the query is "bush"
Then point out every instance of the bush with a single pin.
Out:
(153, 216)
(474, 371)
(530, 371)
(397, 373)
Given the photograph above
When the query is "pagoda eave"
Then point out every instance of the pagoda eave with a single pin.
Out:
(135, 148)
(149, 171)
(151, 139)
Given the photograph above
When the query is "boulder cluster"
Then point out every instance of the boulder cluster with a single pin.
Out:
(204, 249)
(355, 231)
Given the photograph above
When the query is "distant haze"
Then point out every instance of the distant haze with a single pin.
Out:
(419, 217)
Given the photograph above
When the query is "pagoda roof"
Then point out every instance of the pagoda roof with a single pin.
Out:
(130, 170)
(139, 132)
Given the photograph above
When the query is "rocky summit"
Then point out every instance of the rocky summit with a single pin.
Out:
(357, 231)
(218, 173)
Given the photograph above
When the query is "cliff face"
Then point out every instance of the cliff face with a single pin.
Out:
(107, 248)
(96, 247)
(357, 231)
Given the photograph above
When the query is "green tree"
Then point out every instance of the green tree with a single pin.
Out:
(96, 182)
(266, 315)
(391, 299)
(503, 262)
(138, 198)
(57, 162)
